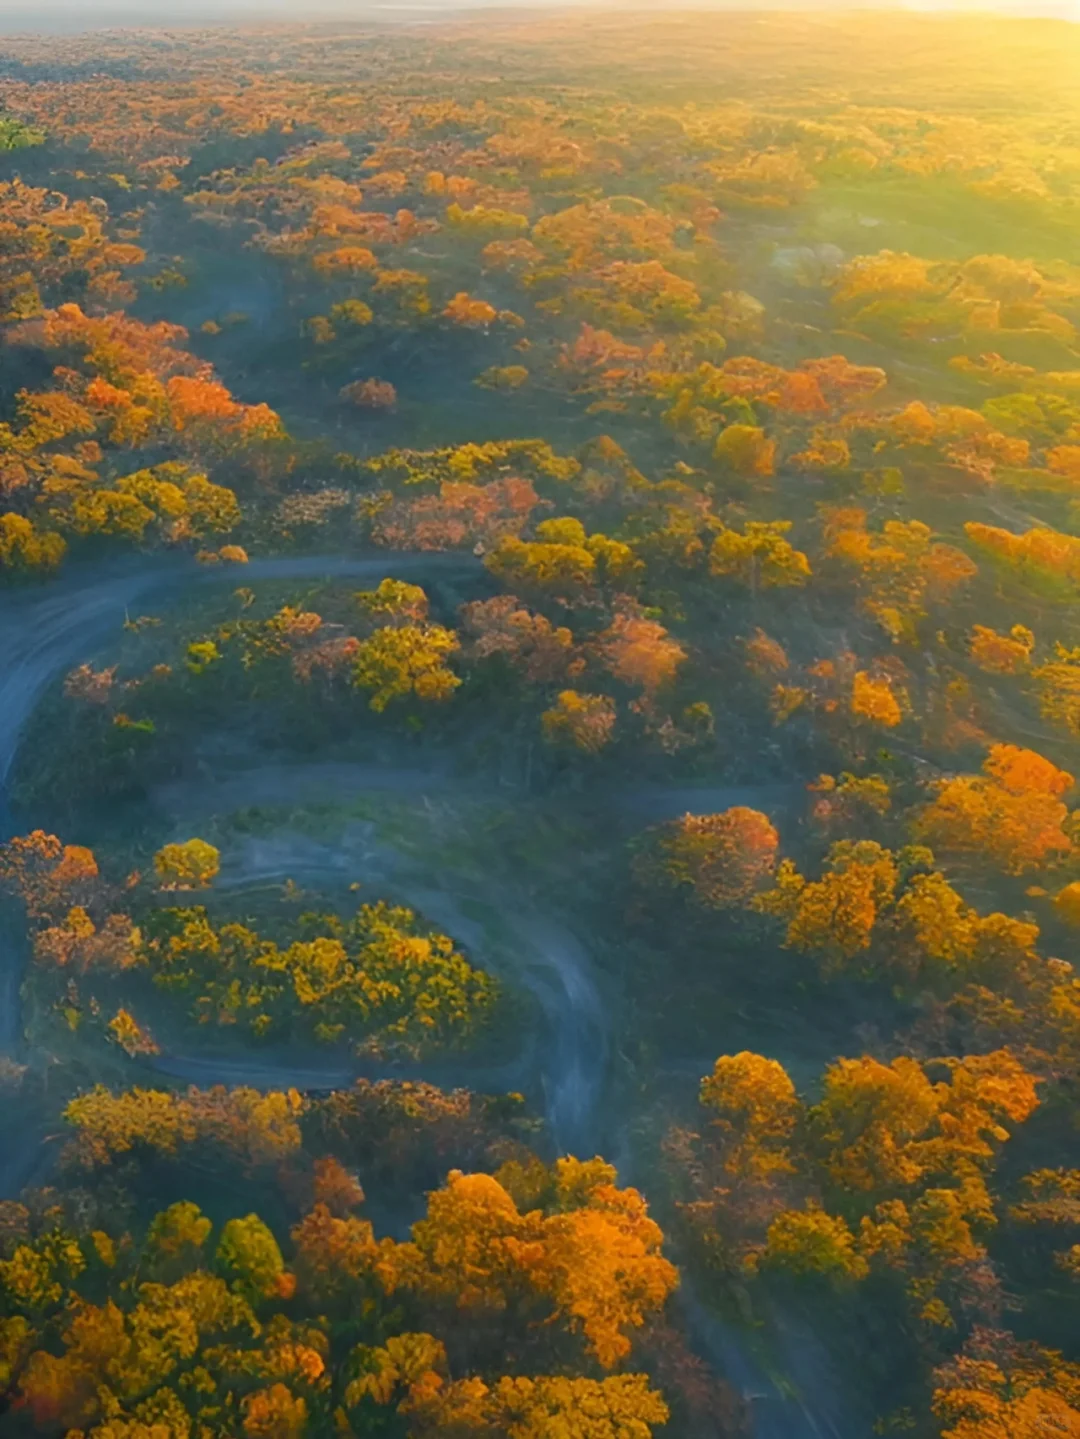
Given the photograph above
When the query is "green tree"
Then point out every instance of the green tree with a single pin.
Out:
(249, 1256)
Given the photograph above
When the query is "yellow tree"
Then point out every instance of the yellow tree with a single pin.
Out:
(563, 561)
(275, 1413)
(999, 1388)
(25, 546)
(395, 600)
(249, 1256)
(756, 1109)
(760, 556)
(746, 450)
(834, 916)
(812, 1242)
(620, 1406)
(932, 922)
(874, 699)
(1057, 684)
(397, 661)
(879, 1128)
(192, 864)
(582, 721)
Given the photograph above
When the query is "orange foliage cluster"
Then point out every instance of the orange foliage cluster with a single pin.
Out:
(583, 722)
(1011, 815)
(724, 859)
(765, 656)
(370, 394)
(463, 309)
(640, 652)
(899, 572)
(460, 514)
(873, 698)
(1043, 555)
(1001, 654)
(558, 1257)
(127, 384)
(49, 243)
(542, 652)
(1000, 1386)
(884, 1177)
(47, 875)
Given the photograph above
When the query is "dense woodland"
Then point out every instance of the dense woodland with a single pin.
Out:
(539, 564)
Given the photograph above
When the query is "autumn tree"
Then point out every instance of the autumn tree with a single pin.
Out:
(560, 563)
(874, 698)
(753, 1110)
(394, 600)
(1044, 560)
(885, 1127)
(723, 859)
(835, 916)
(760, 556)
(541, 651)
(595, 1260)
(371, 394)
(765, 656)
(746, 450)
(24, 546)
(812, 1241)
(899, 572)
(192, 864)
(335, 1256)
(584, 722)
(640, 651)
(1011, 815)
(396, 662)
(1001, 654)
(849, 800)
(47, 875)
(251, 1127)
(998, 1386)
(382, 976)
(275, 1413)
(618, 1406)
(178, 1234)
(1057, 686)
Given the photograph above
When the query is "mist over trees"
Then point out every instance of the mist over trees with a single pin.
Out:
(540, 683)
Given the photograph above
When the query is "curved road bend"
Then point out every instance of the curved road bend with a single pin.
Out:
(46, 630)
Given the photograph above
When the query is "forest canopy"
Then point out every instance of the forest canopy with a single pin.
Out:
(539, 560)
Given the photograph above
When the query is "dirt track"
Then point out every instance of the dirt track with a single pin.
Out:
(46, 630)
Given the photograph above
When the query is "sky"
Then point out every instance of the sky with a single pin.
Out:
(69, 15)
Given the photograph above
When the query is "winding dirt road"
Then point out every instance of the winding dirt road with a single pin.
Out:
(46, 630)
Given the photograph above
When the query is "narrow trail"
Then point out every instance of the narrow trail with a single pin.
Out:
(49, 629)
(551, 963)
(568, 1058)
